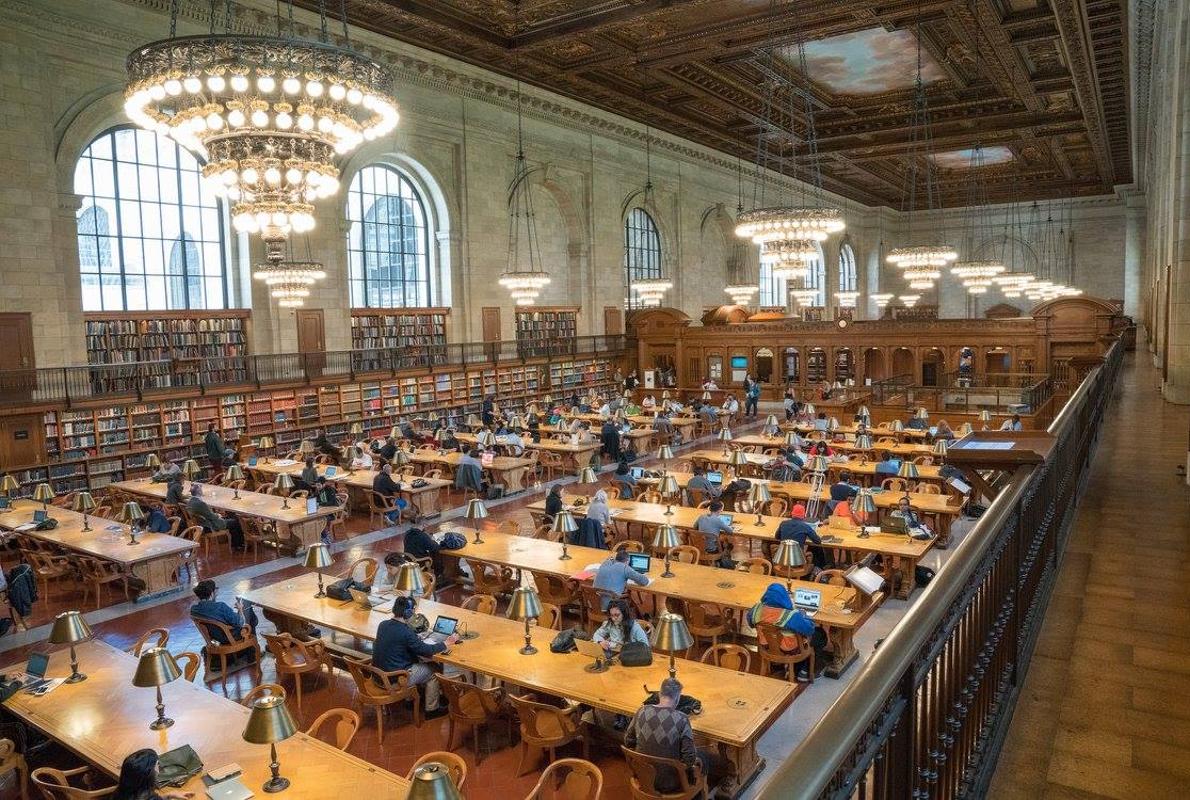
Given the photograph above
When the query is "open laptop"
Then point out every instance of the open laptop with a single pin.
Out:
(443, 627)
(253, 461)
(637, 472)
(640, 562)
(728, 518)
(34, 675)
(5, 503)
(367, 600)
(330, 472)
(39, 516)
(594, 651)
(230, 789)
(807, 601)
(892, 524)
(715, 478)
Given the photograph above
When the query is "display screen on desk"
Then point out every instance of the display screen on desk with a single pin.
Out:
(252, 461)
(311, 505)
(330, 471)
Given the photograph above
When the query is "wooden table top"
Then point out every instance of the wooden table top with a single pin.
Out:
(563, 447)
(452, 458)
(635, 433)
(100, 541)
(851, 430)
(744, 523)
(105, 718)
(734, 589)
(253, 504)
(737, 707)
(900, 448)
(678, 422)
(924, 472)
(359, 478)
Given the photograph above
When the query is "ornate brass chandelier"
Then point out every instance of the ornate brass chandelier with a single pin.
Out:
(268, 114)
(882, 299)
(649, 293)
(289, 282)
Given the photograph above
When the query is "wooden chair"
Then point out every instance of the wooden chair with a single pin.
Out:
(380, 506)
(214, 536)
(728, 656)
(555, 589)
(161, 635)
(380, 689)
(471, 706)
(545, 531)
(796, 572)
(258, 533)
(241, 641)
(685, 553)
(547, 728)
(345, 722)
(175, 524)
(631, 545)
(492, 579)
(299, 494)
(12, 761)
(768, 640)
(97, 573)
(894, 485)
(924, 487)
(777, 507)
(647, 495)
(369, 564)
(189, 559)
(646, 770)
(551, 463)
(551, 617)
(297, 658)
(55, 784)
(568, 779)
(48, 567)
(189, 663)
(834, 577)
(707, 621)
(757, 565)
(480, 603)
(592, 605)
(263, 690)
(455, 766)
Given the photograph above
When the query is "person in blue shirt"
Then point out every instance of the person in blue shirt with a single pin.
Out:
(1013, 424)
(888, 465)
(398, 647)
(844, 489)
(613, 577)
(711, 525)
(623, 476)
(800, 531)
(208, 607)
(700, 483)
(158, 521)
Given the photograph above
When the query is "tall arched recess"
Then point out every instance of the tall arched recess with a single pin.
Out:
(399, 251)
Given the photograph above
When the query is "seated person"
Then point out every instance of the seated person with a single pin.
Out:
(663, 426)
(619, 627)
(613, 576)
(384, 485)
(906, 512)
(209, 607)
(776, 608)
(800, 531)
(710, 525)
(598, 509)
(173, 490)
(362, 459)
(211, 521)
(166, 471)
(648, 404)
(138, 779)
(324, 492)
(324, 446)
(700, 483)
(398, 647)
(888, 466)
(821, 448)
(309, 476)
(514, 442)
(631, 409)
(1013, 424)
(389, 450)
(623, 476)
(553, 501)
(917, 424)
(821, 423)
(157, 521)
(943, 431)
(662, 731)
(843, 489)
(850, 518)
(609, 435)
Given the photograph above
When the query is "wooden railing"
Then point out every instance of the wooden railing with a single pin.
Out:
(926, 715)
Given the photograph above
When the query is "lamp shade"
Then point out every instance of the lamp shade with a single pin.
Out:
(966, 429)
(318, 556)
(791, 439)
(665, 395)
(759, 493)
(472, 422)
(564, 522)
(190, 468)
(666, 536)
(833, 424)
(898, 425)
(818, 464)
(670, 634)
(706, 395)
(439, 435)
(152, 461)
(738, 458)
(985, 416)
(923, 413)
(789, 554)
(131, 513)
(863, 502)
(908, 470)
(269, 721)
(400, 458)
(394, 432)
(69, 628)
(587, 475)
(357, 428)
(770, 421)
(265, 441)
(725, 434)
(863, 411)
(234, 473)
(283, 481)
(940, 448)
(525, 603)
(515, 421)
(432, 781)
(306, 447)
(84, 502)
(486, 438)
(476, 509)
(155, 667)
(808, 408)
(43, 493)
(863, 441)
(409, 578)
(665, 452)
(8, 484)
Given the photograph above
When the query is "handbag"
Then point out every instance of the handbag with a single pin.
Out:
(636, 654)
(178, 766)
(340, 589)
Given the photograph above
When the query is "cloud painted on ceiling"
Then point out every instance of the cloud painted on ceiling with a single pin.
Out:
(961, 159)
(873, 61)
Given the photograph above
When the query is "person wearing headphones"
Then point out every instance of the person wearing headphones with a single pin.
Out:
(398, 647)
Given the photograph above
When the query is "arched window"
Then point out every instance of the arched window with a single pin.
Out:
(388, 244)
(150, 233)
(774, 291)
(816, 278)
(847, 276)
(642, 249)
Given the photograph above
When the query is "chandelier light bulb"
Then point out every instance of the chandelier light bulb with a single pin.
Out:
(266, 84)
(260, 119)
(215, 83)
(173, 87)
(192, 84)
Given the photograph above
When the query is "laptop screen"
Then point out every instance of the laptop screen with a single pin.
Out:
(39, 515)
(727, 518)
(639, 562)
(715, 477)
(252, 461)
(445, 625)
(37, 664)
(4, 502)
(311, 505)
(807, 598)
(330, 471)
(638, 472)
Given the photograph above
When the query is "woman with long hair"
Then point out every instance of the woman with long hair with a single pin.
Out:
(138, 779)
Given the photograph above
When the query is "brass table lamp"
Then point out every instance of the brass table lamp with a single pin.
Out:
(758, 495)
(432, 781)
(43, 494)
(476, 511)
(664, 454)
(670, 635)
(863, 503)
(268, 723)
(132, 514)
(409, 579)
(525, 605)
(8, 485)
(818, 464)
(318, 558)
(588, 475)
(666, 537)
(84, 502)
(70, 628)
(564, 524)
(863, 442)
(234, 473)
(283, 483)
(725, 437)
(156, 668)
(908, 470)
(791, 556)
(791, 439)
(153, 461)
(668, 487)
(737, 459)
(190, 469)
(265, 443)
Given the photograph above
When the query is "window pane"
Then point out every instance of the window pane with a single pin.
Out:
(386, 241)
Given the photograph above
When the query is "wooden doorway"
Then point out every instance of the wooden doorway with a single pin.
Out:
(311, 338)
(22, 441)
(613, 321)
(18, 374)
(491, 323)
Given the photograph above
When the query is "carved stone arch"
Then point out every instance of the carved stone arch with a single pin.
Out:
(577, 289)
(665, 229)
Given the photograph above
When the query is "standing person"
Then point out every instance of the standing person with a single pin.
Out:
(489, 410)
(751, 398)
(216, 449)
(609, 434)
(398, 647)
(662, 731)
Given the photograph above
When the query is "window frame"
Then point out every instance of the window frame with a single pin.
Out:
(646, 245)
(848, 274)
(426, 269)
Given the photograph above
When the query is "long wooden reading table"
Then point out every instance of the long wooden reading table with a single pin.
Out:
(359, 482)
(505, 470)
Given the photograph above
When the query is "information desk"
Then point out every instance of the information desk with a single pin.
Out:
(358, 482)
(737, 707)
(901, 552)
(292, 523)
(155, 559)
(105, 718)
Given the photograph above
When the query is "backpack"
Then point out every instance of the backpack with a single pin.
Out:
(564, 641)
(453, 541)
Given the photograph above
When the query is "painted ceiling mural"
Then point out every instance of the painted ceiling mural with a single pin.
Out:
(872, 61)
(961, 159)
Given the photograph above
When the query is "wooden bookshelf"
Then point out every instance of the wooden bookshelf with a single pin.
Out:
(541, 327)
(125, 338)
(419, 333)
(94, 447)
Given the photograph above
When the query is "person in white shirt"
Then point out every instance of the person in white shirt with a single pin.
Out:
(649, 403)
(1013, 424)
(709, 385)
(731, 405)
(362, 458)
(605, 410)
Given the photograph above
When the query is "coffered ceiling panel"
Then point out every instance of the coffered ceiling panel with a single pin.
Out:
(1041, 85)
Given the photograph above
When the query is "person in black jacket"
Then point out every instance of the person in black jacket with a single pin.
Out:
(420, 544)
(488, 410)
(324, 446)
(384, 485)
(389, 449)
(553, 501)
(398, 647)
(610, 437)
(173, 490)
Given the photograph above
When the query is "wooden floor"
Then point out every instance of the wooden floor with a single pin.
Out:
(1105, 709)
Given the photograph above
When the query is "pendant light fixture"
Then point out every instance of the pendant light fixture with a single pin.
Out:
(289, 279)
(1013, 282)
(920, 264)
(524, 276)
(741, 291)
(268, 114)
